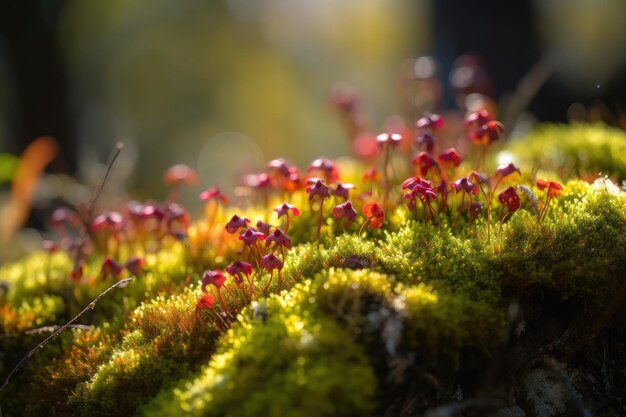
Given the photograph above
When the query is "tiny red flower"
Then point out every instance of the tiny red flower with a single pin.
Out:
(263, 227)
(110, 267)
(205, 302)
(341, 190)
(371, 174)
(214, 193)
(427, 140)
(509, 199)
(430, 121)
(175, 213)
(488, 132)
(450, 157)
(507, 169)
(135, 265)
(442, 188)
(412, 182)
(554, 188)
(271, 262)
(215, 277)
(424, 162)
(279, 238)
(235, 223)
(478, 118)
(464, 184)
(258, 181)
(345, 210)
(284, 208)
(281, 166)
(111, 221)
(480, 177)
(64, 215)
(318, 188)
(375, 213)
(393, 139)
(327, 167)
(425, 192)
(237, 268)
(475, 208)
(181, 174)
(251, 235)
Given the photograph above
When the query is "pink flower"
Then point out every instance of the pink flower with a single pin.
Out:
(429, 121)
(342, 190)
(475, 208)
(239, 268)
(325, 166)
(507, 169)
(135, 265)
(318, 188)
(284, 208)
(424, 162)
(280, 166)
(393, 139)
(450, 157)
(64, 215)
(215, 277)
(235, 223)
(206, 302)
(181, 174)
(250, 236)
(480, 177)
(375, 213)
(509, 199)
(270, 262)
(110, 267)
(111, 221)
(279, 238)
(487, 133)
(214, 193)
(478, 118)
(426, 139)
(554, 188)
(412, 182)
(464, 184)
(263, 227)
(345, 210)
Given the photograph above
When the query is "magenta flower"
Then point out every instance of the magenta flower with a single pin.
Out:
(342, 190)
(488, 132)
(176, 176)
(424, 162)
(235, 223)
(270, 262)
(63, 215)
(464, 184)
(239, 269)
(480, 178)
(326, 167)
(509, 199)
(391, 139)
(258, 181)
(412, 182)
(478, 118)
(279, 238)
(280, 166)
(424, 192)
(450, 157)
(214, 193)
(475, 208)
(250, 236)
(176, 219)
(429, 121)
(318, 188)
(215, 277)
(283, 209)
(110, 221)
(507, 169)
(135, 265)
(426, 139)
(345, 211)
(263, 227)
(110, 267)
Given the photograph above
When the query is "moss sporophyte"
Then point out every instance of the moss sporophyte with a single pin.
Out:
(391, 287)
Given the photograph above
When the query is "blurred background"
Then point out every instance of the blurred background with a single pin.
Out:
(225, 85)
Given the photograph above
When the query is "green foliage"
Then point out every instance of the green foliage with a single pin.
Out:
(574, 150)
(282, 359)
(164, 340)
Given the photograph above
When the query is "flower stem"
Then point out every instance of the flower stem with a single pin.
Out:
(363, 226)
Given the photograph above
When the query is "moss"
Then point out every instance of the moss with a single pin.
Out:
(574, 150)
(163, 341)
(312, 368)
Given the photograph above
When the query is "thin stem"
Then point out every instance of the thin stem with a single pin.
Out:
(268, 282)
(287, 224)
(545, 208)
(222, 302)
(460, 209)
(386, 174)
(363, 226)
(280, 278)
(319, 224)
(121, 283)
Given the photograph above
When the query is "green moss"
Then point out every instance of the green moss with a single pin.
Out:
(285, 361)
(573, 150)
